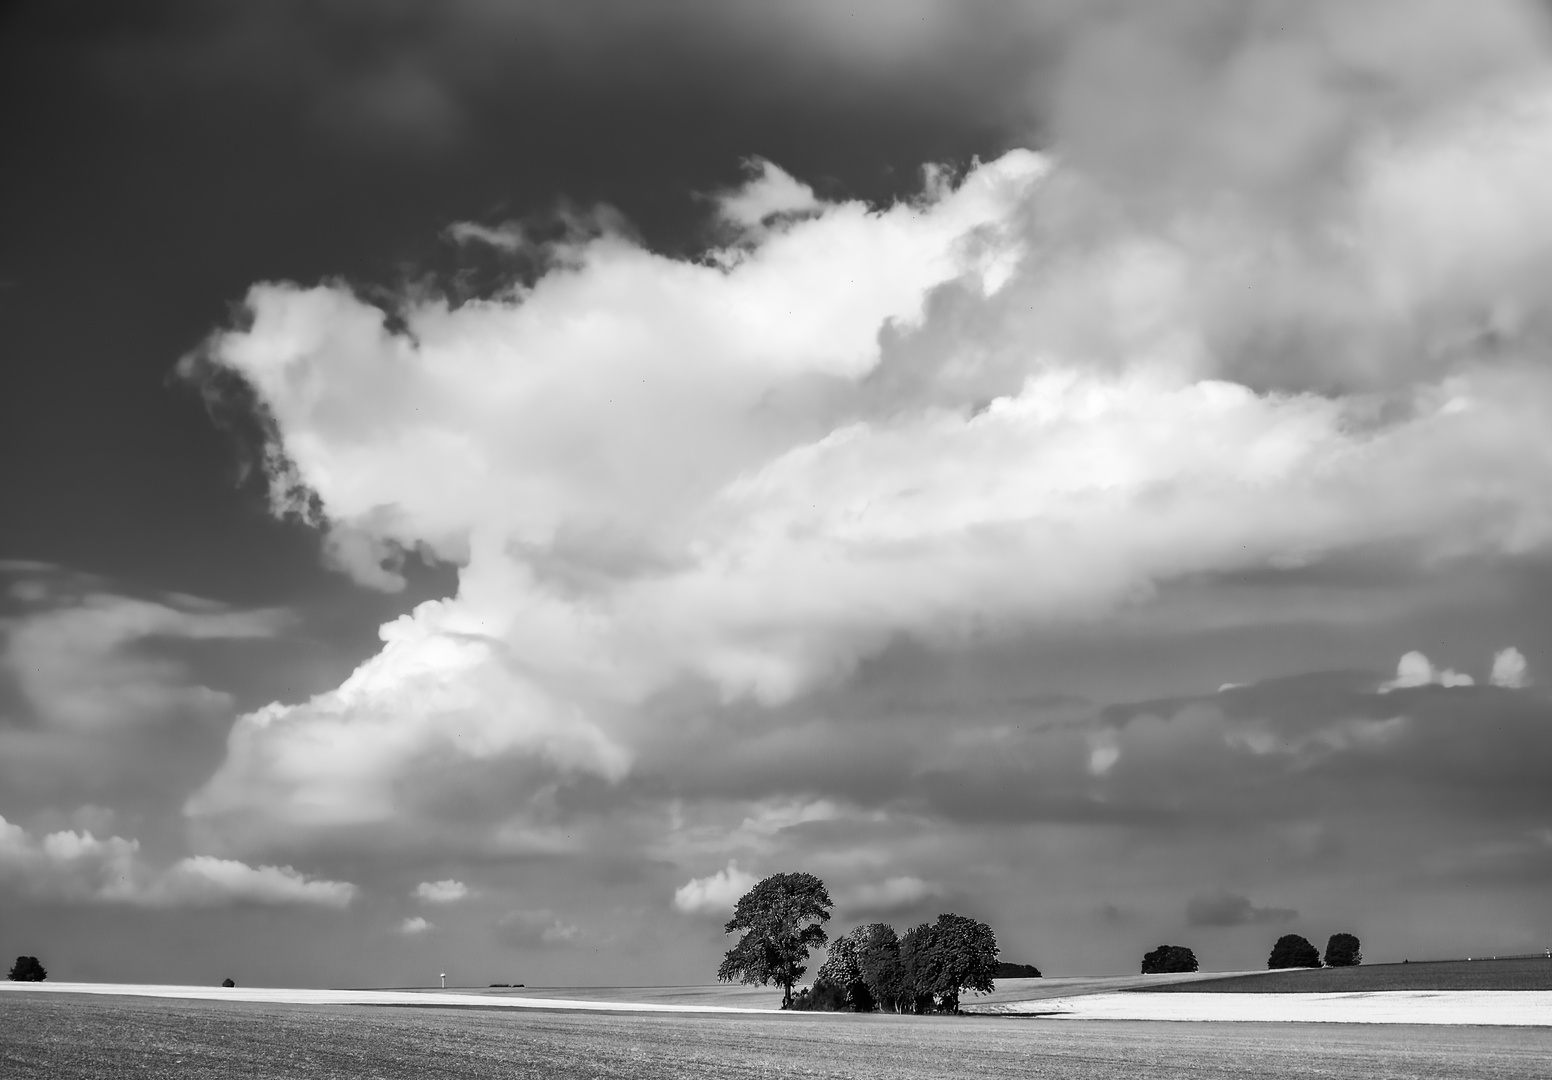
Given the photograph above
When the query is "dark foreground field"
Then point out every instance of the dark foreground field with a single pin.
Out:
(1522, 974)
(63, 1037)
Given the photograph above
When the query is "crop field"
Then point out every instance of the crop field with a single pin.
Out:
(67, 1037)
(1534, 973)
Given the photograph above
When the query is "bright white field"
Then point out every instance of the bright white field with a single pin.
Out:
(279, 996)
(1515, 1008)
(1519, 1008)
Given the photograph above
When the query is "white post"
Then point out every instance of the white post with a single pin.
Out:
(444, 980)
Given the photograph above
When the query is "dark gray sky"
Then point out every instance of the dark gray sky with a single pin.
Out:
(486, 482)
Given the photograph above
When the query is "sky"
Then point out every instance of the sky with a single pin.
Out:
(487, 482)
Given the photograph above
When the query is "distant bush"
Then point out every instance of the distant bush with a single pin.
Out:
(1293, 951)
(1343, 950)
(1168, 960)
(1008, 970)
(228, 983)
(27, 969)
(823, 996)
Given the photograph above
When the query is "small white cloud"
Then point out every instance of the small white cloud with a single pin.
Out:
(1509, 668)
(714, 894)
(1104, 752)
(770, 190)
(1416, 670)
(415, 924)
(508, 236)
(446, 891)
(893, 894)
(541, 927)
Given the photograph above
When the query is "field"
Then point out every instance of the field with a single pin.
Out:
(1534, 973)
(69, 1037)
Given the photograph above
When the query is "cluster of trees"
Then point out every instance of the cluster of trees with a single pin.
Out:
(1293, 951)
(782, 918)
(27, 969)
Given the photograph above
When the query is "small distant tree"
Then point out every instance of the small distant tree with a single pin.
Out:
(1168, 959)
(1343, 950)
(1293, 951)
(943, 958)
(1007, 970)
(228, 983)
(878, 958)
(781, 919)
(27, 969)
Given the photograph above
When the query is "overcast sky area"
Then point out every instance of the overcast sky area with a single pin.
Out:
(486, 482)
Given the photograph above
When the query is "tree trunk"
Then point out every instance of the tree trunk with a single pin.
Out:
(786, 995)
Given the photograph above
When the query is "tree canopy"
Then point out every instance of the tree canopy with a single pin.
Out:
(27, 969)
(1293, 951)
(1343, 950)
(1168, 959)
(781, 919)
(940, 959)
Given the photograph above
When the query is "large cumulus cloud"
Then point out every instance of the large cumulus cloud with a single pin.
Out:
(683, 493)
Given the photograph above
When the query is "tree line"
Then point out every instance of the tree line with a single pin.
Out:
(1290, 951)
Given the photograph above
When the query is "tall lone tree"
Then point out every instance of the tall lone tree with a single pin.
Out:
(1343, 950)
(940, 959)
(27, 969)
(1167, 959)
(781, 918)
(1293, 951)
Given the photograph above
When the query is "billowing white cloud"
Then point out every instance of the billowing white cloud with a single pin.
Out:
(1509, 669)
(415, 924)
(1028, 397)
(77, 867)
(714, 894)
(1415, 669)
(447, 891)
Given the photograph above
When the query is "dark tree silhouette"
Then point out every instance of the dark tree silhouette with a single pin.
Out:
(1168, 959)
(1343, 950)
(1293, 951)
(27, 969)
(1007, 970)
(940, 959)
(780, 918)
(844, 969)
(228, 983)
(878, 958)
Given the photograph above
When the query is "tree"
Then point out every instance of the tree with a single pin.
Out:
(780, 918)
(843, 969)
(1293, 951)
(227, 983)
(878, 958)
(1343, 950)
(940, 959)
(27, 969)
(1167, 959)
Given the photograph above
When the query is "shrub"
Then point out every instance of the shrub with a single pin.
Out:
(1168, 959)
(1343, 950)
(27, 969)
(823, 996)
(1293, 951)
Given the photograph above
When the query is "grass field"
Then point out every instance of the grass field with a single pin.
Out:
(71, 1037)
(1522, 974)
